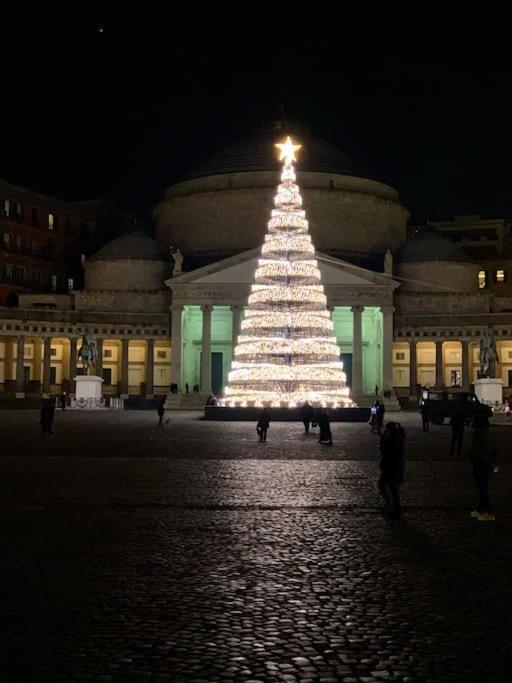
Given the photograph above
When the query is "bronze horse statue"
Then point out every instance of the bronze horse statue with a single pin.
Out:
(88, 353)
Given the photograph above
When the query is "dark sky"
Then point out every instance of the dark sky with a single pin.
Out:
(119, 113)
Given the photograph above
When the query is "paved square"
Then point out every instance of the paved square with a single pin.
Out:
(195, 553)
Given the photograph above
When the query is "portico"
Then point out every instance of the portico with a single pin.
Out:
(207, 311)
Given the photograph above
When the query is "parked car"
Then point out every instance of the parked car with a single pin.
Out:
(440, 405)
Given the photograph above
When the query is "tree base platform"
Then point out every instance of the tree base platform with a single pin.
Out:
(238, 414)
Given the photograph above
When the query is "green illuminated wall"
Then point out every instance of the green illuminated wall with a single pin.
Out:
(192, 326)
(372, 335)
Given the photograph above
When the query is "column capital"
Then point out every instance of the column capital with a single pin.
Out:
(206, 308)
(357, 309)
(387, 309)
(176, 307)
(235, 308)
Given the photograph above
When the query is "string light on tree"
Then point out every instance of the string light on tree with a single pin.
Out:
(287, 352)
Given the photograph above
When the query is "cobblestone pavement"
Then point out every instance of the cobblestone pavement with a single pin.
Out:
(195, 553)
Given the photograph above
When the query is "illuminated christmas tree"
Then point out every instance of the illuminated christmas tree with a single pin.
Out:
(287, 352)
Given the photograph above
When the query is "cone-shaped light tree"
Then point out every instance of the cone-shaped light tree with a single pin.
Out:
(287, 352)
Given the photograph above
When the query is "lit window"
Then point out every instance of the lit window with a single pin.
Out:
(50, 221)
(54, 282)
(500, 275)
(161, 355)
(400, 355)
(71, 283)
(7, 239)
(482, 279)
(107, 353)
(18, 242)
(19, 211)
(7, 207)
(53, 352)
(8, 271)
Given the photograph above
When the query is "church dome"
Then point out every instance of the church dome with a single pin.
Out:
(430, 245)
(257, 153)
(132, 262)
(132, 245)
(222, 207)
(430, 262)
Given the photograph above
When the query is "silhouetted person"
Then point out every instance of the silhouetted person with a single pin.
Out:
(63, 399)
(307, 414)
(425, 422)
(483, 459)
(376, 390)
(51, 413)
(374, 418)
(186, 387)
(161, 412)
(45, 416)
(457, 423)
(263, 424)
(391, 466)
(325, 428)
(211, 400)
(381, 411)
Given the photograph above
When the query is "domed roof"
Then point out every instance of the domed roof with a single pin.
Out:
(257, 153)
(430, 245)
(132, 245)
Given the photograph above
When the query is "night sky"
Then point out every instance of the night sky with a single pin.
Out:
(119, 103)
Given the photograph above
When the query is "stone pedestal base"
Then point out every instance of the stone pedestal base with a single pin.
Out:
(88, 386)
(489, 390)
(88, 392)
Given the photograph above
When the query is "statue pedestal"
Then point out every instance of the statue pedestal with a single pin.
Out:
(489, 390)
(88, 392)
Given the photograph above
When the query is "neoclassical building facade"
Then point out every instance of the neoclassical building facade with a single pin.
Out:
(407, 311)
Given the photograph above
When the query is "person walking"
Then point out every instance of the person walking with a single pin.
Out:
(506, 409)
(306, 415)
(392, 467)
(457, 423)
(160, 412)
(325, 428)
(483, 459)
(51, 413)
(425, 422)
(374, 420)
(263, 424)
(381, 411)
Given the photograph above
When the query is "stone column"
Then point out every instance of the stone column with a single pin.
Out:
(237, 321)
(413, 370)
(465, 348)
(98, 370)
(9, 358)
(47, 364)
(357, 350)
(439, 365)
(387, 347)
(124, 368)
(150, 351)
(20, 368)
(72, 364)
(176, 311)
(206, 351)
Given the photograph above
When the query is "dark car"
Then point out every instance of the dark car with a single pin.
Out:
(440, 405)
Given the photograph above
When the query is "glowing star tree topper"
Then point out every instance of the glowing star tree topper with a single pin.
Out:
(287, 150)
(287, 352)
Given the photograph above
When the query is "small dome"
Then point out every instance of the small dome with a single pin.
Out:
(131, 246)
(430, 245)
(257, 153)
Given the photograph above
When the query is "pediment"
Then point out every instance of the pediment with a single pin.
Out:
(240, 270)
